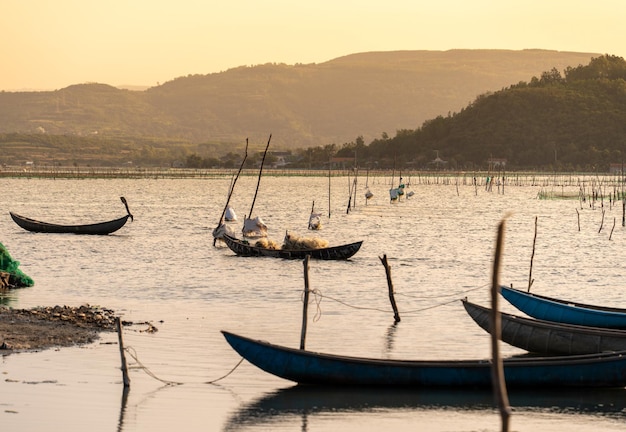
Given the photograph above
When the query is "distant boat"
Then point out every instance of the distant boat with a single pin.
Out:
(100, 228)
(313, 368)
(547, 337)
(341, 252)
(564, 311)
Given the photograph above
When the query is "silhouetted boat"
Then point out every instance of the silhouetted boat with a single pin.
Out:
(101, 228)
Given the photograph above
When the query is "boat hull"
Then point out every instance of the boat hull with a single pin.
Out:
(556, 310)
(102, 228)
(546, 337)
(342, 252)
(305, 367)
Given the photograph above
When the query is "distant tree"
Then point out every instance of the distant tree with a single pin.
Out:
(193, 161)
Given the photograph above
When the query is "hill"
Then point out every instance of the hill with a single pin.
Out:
(570, 121)
(361, 95)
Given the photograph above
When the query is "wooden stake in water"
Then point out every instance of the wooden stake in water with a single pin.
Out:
(305, 305)
(530, 274)
(497, 368)
(396, 315)
(118, 326)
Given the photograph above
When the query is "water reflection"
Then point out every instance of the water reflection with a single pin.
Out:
(282, 405)
(390, 337)
(7, 296)
(120, 422)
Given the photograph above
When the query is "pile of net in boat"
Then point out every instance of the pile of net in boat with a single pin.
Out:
(10, 274)
(293, 242)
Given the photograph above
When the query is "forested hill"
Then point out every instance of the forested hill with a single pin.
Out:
(302, 105)
(575, 120)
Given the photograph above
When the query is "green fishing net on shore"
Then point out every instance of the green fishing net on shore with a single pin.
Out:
(17, 278)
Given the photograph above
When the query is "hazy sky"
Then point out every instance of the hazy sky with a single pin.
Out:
(50, 44)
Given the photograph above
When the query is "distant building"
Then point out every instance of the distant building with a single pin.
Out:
(341, 162)
(282, 158)
(496, 163)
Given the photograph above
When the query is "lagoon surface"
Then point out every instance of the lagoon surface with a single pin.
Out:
(163, 269)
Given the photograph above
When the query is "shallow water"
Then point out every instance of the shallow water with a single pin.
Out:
(162, 268)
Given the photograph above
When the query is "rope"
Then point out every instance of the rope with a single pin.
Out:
(318, 299)
(222, 377)
(133, 354)
(448, 295)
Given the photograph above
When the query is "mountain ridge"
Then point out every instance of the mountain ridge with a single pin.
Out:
(357, 95)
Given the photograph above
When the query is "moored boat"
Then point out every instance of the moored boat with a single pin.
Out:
(312, 368)
(547, 337)
(243, 248)
(564, 311)
(100, 228)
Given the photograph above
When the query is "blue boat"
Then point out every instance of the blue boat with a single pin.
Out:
(311, 368)
(564, 311)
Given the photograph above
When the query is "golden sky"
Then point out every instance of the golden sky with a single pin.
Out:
(50, 44)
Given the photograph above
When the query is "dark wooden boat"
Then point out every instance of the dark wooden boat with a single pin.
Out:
(547, 337)
(564, 311)
(101, 228)
(330, 253)
(311, 368)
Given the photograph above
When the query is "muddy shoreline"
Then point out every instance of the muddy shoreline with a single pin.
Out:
(47, 327)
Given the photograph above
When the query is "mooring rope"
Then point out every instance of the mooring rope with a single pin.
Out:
(231, 371)
(147, 370)
(319, 296)
(133, 354)
(445, 295)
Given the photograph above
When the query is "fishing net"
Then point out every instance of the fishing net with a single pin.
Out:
(10, 267)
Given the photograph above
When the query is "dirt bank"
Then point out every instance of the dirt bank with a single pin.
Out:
(46, 327)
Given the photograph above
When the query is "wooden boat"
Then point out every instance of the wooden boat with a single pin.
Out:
(564, 311)
(101, 228)
(329, 253)
(547, 337)
(311, 368)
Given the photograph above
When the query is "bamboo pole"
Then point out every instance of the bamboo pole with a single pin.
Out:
(230, 192)
(396, 315)
(329, 164)
(601, 222)
(530, 274)
(258, 182)
(497, 368)
(118, 326)
(611, 235)
(305, 305)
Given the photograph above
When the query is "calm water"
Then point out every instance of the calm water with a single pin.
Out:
(162, 268)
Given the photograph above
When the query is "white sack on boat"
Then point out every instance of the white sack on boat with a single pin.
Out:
(254, 228)
(219, 232)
